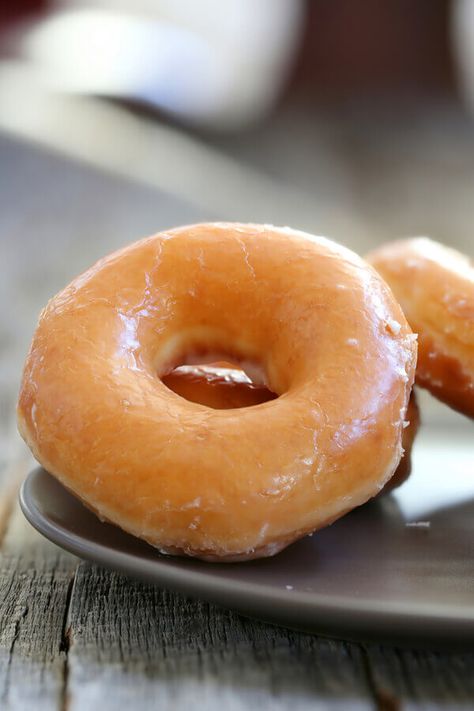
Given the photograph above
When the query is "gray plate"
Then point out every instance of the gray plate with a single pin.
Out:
(400, 569)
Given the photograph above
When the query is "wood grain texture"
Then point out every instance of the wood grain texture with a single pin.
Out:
(33, 603)
(421, 679)
(35, 580)
(161, 650)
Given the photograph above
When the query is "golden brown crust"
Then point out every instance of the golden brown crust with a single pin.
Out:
(435, 287)
(231, 484)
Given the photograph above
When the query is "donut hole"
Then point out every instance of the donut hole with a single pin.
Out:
(219, 382)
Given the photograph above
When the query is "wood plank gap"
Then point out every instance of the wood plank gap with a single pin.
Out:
(384, 700)
(35, 579)
(65, 644)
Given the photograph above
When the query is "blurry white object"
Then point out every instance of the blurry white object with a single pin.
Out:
(462, 40)
(215, 63)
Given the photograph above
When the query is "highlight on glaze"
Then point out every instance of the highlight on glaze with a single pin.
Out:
(317, 324)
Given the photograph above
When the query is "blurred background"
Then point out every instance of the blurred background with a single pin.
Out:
(120, 118)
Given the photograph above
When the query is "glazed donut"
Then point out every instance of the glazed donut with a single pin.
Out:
(231, 484)
(435, 287)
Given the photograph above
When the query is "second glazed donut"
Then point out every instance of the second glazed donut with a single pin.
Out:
(435, 287)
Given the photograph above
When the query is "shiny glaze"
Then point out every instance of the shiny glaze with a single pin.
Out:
(435, 286)
(221, 484)
(227, 387)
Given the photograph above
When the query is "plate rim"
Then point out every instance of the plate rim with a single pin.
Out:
(395, 620)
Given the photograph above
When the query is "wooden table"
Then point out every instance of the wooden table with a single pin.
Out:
(74, 636)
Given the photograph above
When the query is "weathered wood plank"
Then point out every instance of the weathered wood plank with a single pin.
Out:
(35, 580)
(33, 602)
(421, 679)
(134, 643)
